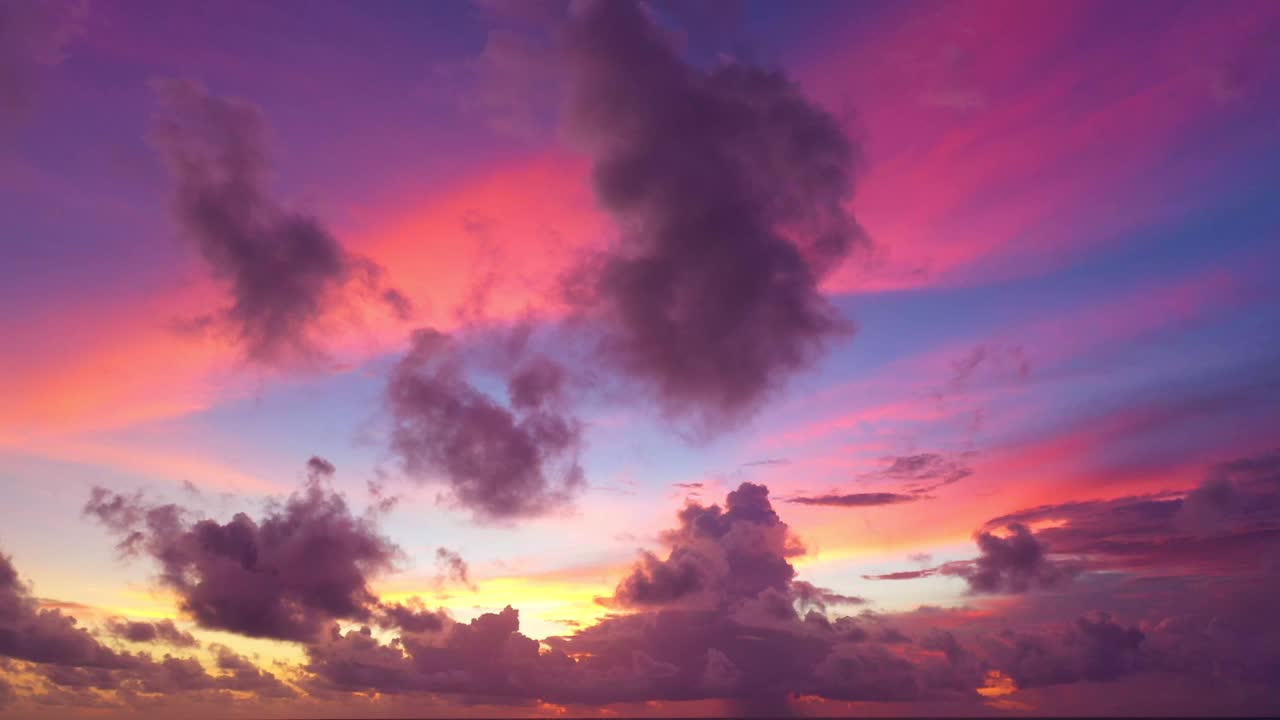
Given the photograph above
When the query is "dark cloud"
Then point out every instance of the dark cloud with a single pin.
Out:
(730, 192)
(1226, 524)
(242, 675)
(453, 569)
(924, 472)
(33, 38)
(720, 555)
(499, 462)
(74, 662)
(855, 499)
(1094, 648)
(720, 616)
(286, 576)
(1013, 564)
(412, 617)
(142, 631)
(283, 269)
(904, 575)
(50, 636)
(809, 596)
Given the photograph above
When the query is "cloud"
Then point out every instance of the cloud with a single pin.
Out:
(1012, 564)
(925, 471)
(720, 614)
(283, 269)
(1225, 525)
(49, 644)
(47, 635)
(1015, 563)
(809, 595)
(453, 568)
(735, 632)
(904, 575)
(142, 631)
(1094, 648)
(855, 499)
(499, 462)
(413, 617)
(286, 576)
(726, 555)
(729, 189)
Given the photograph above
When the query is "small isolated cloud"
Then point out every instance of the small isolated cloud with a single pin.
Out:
(500, 462)
(730, 190)
(283, 269)
(855, 500)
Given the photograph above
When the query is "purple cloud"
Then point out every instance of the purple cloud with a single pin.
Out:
(1012, 564)
(283, 269)
(142, 631)
(48, 643)
(499, 462)
(855, 499)
(286, 576)
(730, 192)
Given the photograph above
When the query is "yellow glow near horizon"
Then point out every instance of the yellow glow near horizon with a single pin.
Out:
(549, 604)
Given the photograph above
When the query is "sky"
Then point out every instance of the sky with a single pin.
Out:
(591, 359)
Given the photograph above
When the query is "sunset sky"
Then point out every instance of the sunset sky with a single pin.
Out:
(525, 359)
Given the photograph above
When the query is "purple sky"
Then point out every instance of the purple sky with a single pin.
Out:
(646, 359)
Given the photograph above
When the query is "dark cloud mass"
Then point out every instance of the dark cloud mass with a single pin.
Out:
(719, 617)
(719, 613)
(286, 576)
(1012, 564)
(283, 269)
(1229, 523)
(729, 189)
(73, 664)
(142, 631)
(499, 462)
(47, 636)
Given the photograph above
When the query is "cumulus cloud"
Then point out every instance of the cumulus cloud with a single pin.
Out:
(142, 631)
(73, 663)
(1012, 564)
(500, 462)
(30, 633)
(730, 190)
(305, 563)
(283, 269)
(720, 616)
(722, 555)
